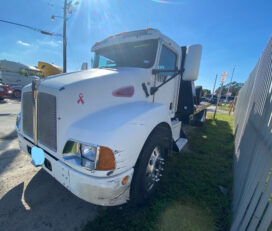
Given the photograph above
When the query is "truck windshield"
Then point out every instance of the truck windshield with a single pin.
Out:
(134, 54)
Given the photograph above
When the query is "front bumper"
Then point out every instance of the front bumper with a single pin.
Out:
(6, 95)
(106, 191)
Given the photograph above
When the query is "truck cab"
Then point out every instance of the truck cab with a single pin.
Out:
(105, 133)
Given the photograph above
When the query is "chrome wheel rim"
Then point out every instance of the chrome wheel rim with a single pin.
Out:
(154, 168)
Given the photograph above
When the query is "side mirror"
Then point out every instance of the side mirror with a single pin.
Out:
(192, 62)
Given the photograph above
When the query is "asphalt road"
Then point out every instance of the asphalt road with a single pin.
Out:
(30, 199)
(211, 109)
(8, 112)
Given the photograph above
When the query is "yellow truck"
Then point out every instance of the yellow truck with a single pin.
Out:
(49, 69)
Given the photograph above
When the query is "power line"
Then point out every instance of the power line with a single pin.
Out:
(31, 28)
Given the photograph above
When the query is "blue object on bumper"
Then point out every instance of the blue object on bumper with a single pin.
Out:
(37, 155)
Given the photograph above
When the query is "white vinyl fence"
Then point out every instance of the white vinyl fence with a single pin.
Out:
(252, 192)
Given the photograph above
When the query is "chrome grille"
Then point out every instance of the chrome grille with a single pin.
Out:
(27, 114)
(47, 123)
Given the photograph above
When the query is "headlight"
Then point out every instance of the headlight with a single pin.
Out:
(97, 157)
(89, 156)
(18, 121)
(88, 152)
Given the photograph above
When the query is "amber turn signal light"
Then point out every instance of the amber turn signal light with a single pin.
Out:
(106, 159)
(124, 180)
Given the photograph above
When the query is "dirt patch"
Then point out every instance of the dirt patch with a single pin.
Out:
(188, 217)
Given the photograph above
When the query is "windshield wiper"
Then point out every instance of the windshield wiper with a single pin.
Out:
(156, 71)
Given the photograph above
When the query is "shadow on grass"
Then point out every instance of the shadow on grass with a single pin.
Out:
(190, 183)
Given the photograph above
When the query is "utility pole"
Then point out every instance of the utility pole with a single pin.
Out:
(64, 42)
(214, 85)
(230, 82)
(223, 80)
(218, 98)
(67, 9)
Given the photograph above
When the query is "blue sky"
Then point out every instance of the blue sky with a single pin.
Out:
(232, 32)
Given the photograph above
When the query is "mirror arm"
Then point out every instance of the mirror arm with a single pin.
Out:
(153, 90)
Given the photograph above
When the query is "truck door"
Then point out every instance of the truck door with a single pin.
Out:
(166, 94)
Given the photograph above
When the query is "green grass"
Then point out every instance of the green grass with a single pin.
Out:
(224, 107)
(189, 197)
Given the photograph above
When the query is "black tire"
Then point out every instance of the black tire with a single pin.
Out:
(140, 191)
(17, 94)
(198, 90)
(199, 119)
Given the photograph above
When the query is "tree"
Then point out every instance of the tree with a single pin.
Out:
(206, 92)
(234, 88)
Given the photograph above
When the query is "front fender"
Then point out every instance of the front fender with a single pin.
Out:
(123, 128)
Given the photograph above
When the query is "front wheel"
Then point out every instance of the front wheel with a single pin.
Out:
(149, 167)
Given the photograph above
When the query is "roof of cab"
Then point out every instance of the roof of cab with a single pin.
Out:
(133, 36)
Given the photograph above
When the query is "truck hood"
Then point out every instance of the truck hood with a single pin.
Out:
(92, 90)
(64, 80)
(81, 94)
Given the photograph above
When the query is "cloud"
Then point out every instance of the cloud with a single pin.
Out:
(50, 43)
(20, 42)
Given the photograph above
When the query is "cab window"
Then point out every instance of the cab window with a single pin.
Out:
(167, 62)
(105, 62)
(140, 54)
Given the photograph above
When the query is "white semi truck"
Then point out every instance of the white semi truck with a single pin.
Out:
(105, 133)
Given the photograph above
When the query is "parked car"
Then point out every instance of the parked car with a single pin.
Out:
(213, 100)
(231, 99)
(5, 91)
(223, 99)
(17, 90)
(204, 99)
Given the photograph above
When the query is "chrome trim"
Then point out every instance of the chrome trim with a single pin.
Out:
(35, 85)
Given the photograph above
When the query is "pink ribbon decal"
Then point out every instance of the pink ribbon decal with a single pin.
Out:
(80, 100)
